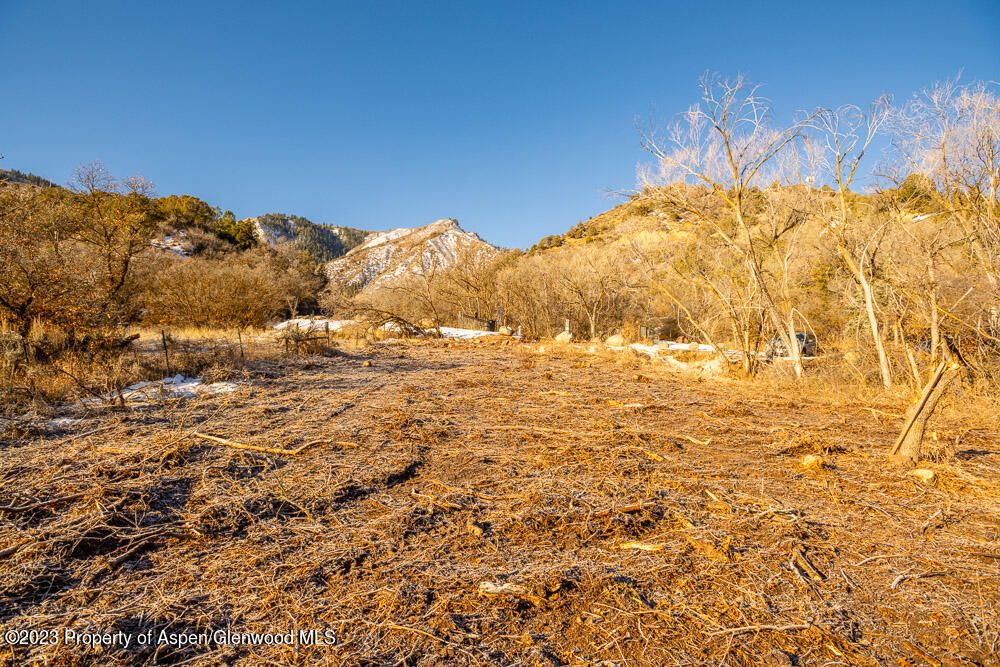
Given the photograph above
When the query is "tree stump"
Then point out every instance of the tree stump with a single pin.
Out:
(908, 445)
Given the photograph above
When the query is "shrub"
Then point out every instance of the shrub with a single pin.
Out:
(206, 292)
(249, 289)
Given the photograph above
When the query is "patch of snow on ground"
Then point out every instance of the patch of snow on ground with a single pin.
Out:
(466, 334)
(713, 365)
(175, 387)
(648, 350)
(671, 345)
(337, 325)
(312, 325)
(448, 332)
(61, 422)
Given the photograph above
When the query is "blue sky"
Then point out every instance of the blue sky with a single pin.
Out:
(515, 118)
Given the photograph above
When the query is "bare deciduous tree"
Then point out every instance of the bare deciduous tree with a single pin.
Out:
(848, 132)
(724, 145)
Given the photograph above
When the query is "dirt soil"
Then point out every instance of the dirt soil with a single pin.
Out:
(488, 504)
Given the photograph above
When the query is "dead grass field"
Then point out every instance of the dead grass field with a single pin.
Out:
(485, 504)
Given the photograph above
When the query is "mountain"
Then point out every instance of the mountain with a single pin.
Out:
(322, 242)
(386, 257)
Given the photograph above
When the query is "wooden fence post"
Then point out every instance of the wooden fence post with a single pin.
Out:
(166, 355)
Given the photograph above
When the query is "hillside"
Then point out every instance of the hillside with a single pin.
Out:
(322, 242)
(15, 176)
(636, 219)
(386, 257)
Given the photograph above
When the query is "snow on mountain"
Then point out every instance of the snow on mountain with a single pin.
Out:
(387, 257)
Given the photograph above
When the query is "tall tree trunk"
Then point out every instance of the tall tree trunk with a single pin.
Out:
(866, 289)
(934, 316)
(748, 365)
(795, 350)
(883, 360)
(913, 364)
(858, 269)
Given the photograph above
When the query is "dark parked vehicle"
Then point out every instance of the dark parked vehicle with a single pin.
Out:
(807, 346)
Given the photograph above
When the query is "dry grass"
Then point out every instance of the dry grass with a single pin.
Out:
(480, 503)
(215, 354)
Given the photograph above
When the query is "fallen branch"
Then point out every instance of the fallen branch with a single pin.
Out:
(651, 455)
(434, 500)
(477, 494)
(258, 448)
(141, 545)
(493, 588)
(707, 416)
(13, 509)
(642, 546)
(78, 436)
(541, 428)
(931, 660)
(881, 412)
(800, 559)
(903, 577)
(871, 558)
(404, 628)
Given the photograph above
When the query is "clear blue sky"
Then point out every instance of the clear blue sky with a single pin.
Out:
(515, 118)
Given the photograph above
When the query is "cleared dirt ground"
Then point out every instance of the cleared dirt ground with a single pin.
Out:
(487, 504)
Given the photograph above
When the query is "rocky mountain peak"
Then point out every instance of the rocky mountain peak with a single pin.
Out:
(385, 258)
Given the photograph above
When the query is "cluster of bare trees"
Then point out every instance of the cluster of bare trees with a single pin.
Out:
(778, 228)
(597, 288)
